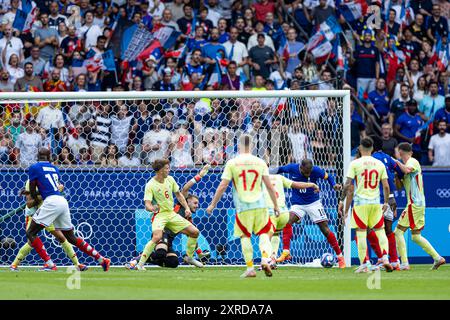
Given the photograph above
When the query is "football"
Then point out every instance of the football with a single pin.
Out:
(327, 260)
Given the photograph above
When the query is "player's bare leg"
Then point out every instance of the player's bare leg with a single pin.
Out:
(35, 242)
(361, 236)
(331, 238)
(149, 247)
(247, 251)
(86, 248)
(287, 236)
(68, 249)
(383, 241)
(192, 233)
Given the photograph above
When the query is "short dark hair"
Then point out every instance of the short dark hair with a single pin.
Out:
(307, 163)
(191, 195)
(377, 143)
(405, 147)
(102, 37)
(367, 143)
(158, 164)
(261, 35)
(27, 63)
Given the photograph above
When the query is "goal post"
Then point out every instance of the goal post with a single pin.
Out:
(90, 134)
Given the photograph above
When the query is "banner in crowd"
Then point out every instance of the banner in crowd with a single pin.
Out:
(26, 16)
(134, 41)
(353, 10)
(330, 28)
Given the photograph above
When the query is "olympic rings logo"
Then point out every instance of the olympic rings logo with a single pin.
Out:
(443, 193)
(83, 230)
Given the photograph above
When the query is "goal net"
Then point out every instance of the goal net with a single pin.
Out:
(104, 143)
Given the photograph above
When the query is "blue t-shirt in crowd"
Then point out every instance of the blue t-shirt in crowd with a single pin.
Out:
(210, 50)
(380, 102)
(409, 124)
(47, 177)
(366, 59)
(442, 114)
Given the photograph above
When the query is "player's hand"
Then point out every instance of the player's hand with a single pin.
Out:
(337, 187)
(210, 209)
(187, 213)
(61, 187)
(341, 208)
(385, 207)
(276, 211)
(393, 205)
(316, 188)
(204, 170)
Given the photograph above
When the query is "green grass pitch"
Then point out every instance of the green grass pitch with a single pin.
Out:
(225, 283)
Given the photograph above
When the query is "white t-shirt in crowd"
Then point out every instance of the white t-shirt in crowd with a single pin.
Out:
(162, 138)
(90, 34)
(120, 129)
(50, 117)
(127, 162)
(299, 143)
(28, 144)
(76, 144)
(15, 47)
(440, 146)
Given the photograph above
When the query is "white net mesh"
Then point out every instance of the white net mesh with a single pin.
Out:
(103, 149)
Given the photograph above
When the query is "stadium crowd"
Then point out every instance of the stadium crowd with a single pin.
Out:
(393, 57)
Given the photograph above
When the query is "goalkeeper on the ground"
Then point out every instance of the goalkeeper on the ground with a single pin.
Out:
(163, 255)
(37, 243)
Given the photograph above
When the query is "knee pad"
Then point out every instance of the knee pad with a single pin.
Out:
(171, 262)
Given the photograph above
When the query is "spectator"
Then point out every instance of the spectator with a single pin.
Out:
(27, 144)
(437, 26)
(321, 150)
(293, 49)
(210, 147)
(236, 51)
(29, 82)
(10, 16)
(89, 32)
(36, 60)
(299, 142)
(136, 84)
(171, 63)
(10, 44)
(70, 44)
(101, 130)
(65, 157)
(75, 19)
(46, 38)
(379, 102)
(55, 18)
(15, 128)
(6, 146)
(120, 128)
(169, 119)
(253, 40)
(210, 50)
(261, 8)
(391, 27)
(185, 22)
(166, 83)
(50, 117)
(141, 123)
(231, 81)
(176, 8)
(408, 125)
(418, 28)
(110, 156)
(155, 142)
(367, 64)
(315, 105)
(438, 149)
(14, 70)
(84, 158)
(389, 142)
(99, 15)
(431, 102)
(398, 105)
(261, 58)
(80, 83)
(414, 74)
(55, 84)
(181, 146)
(222, 26)
(128, 159)
(320, 13)
(421, 90)
(76, 142)
(5, 82)
(214, 13)
(443, 114)
(325, 80)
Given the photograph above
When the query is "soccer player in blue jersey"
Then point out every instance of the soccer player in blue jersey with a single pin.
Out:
(306, 201)
(44, 180)
(391, 212)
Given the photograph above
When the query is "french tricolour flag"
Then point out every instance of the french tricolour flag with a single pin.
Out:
(353, 10)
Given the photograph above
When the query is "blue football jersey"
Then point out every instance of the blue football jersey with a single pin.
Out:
(47, 177)
(305, 196)
(391, 168)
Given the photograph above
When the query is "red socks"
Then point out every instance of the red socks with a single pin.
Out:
(40, 249)
(393, 257)
(373, 240)
(86, 248)
(287, 236)
(331, 238)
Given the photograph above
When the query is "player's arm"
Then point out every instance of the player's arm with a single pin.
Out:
(150, 207)
(305, 185)
(182, 200)
(194, 180)
(347, 195)
(330, 179)
(148, 200)
(218, 195)
(34, 193)
(282, 169)
(272, 194)
(404, 168)
(386, 190)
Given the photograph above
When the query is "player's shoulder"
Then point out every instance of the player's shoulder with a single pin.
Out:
(171, 179)
(412, 162)
(317, 170)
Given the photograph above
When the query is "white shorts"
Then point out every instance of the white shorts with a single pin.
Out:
(388, 214)
(54, 210)
(315, 211)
